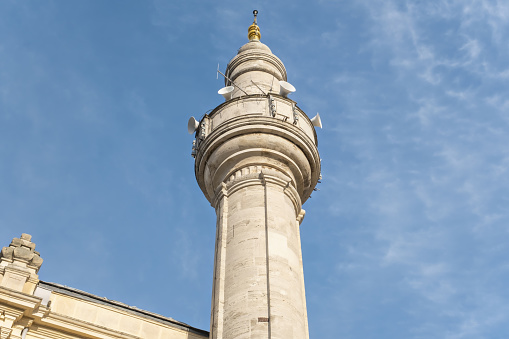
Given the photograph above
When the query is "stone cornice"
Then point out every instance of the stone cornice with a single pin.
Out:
(252, 123)
(264, 176)
(278, 71)
(253, 171)
(119, 307)
(18, 299)
(243, 126)
(76, 326)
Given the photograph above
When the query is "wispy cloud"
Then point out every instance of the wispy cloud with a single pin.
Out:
(425, 170)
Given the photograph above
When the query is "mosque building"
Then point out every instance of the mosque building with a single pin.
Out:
(256, 162)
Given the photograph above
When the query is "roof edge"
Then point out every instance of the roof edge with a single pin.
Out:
(119, 305)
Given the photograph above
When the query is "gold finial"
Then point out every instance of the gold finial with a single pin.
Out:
(253, 32)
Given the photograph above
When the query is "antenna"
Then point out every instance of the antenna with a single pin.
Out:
(258, 87)
(218, 71)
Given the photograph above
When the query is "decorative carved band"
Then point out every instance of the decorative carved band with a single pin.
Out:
(256, 169)
(258, 175)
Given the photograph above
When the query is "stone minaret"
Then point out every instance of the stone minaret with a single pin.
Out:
(256, 161)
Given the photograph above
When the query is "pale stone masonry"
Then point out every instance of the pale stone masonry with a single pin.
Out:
(256, 161)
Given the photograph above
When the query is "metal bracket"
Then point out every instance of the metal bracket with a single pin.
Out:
(203, 128)
(193, 150)
(272, 106)
(295, 114)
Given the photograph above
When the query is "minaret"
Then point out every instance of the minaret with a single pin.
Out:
(257, 162)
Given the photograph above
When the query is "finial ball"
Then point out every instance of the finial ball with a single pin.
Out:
(253, 30)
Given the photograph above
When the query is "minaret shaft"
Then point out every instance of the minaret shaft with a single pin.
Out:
(258, 287)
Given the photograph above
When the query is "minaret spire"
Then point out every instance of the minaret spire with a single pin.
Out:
(253, 32)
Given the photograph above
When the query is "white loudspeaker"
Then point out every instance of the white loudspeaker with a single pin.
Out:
(285, 88)
(226, 92)
(316, 121)
(192, 125)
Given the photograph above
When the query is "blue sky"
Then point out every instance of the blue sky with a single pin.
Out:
(408, 235)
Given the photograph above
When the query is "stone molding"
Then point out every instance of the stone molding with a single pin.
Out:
(14, 307)
(234, 68)
(257, 124)
(259, 175)
(256, 172)
(300, 216)
(222, 149)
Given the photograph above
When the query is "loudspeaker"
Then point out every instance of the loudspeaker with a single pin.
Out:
(226, 92)
(285, 88)
(192, 125)
(316, 121)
